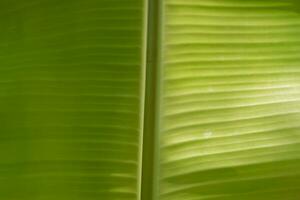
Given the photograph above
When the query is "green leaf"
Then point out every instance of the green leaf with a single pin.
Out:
(149, 100)
(230, 105)
(71, 98)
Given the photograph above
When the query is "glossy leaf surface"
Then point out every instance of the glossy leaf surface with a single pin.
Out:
(231, 102)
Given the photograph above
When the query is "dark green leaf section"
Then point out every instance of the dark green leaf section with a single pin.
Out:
(231, 100)
(71, 77)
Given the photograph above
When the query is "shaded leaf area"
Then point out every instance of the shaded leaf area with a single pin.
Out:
(70, 99)
(231, 102)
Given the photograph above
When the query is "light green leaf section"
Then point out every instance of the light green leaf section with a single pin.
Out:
(230, 106)
(71, 92)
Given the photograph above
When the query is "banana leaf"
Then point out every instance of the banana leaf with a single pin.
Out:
(150, 100)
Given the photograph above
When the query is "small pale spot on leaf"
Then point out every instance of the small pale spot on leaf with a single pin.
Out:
(207, 134)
